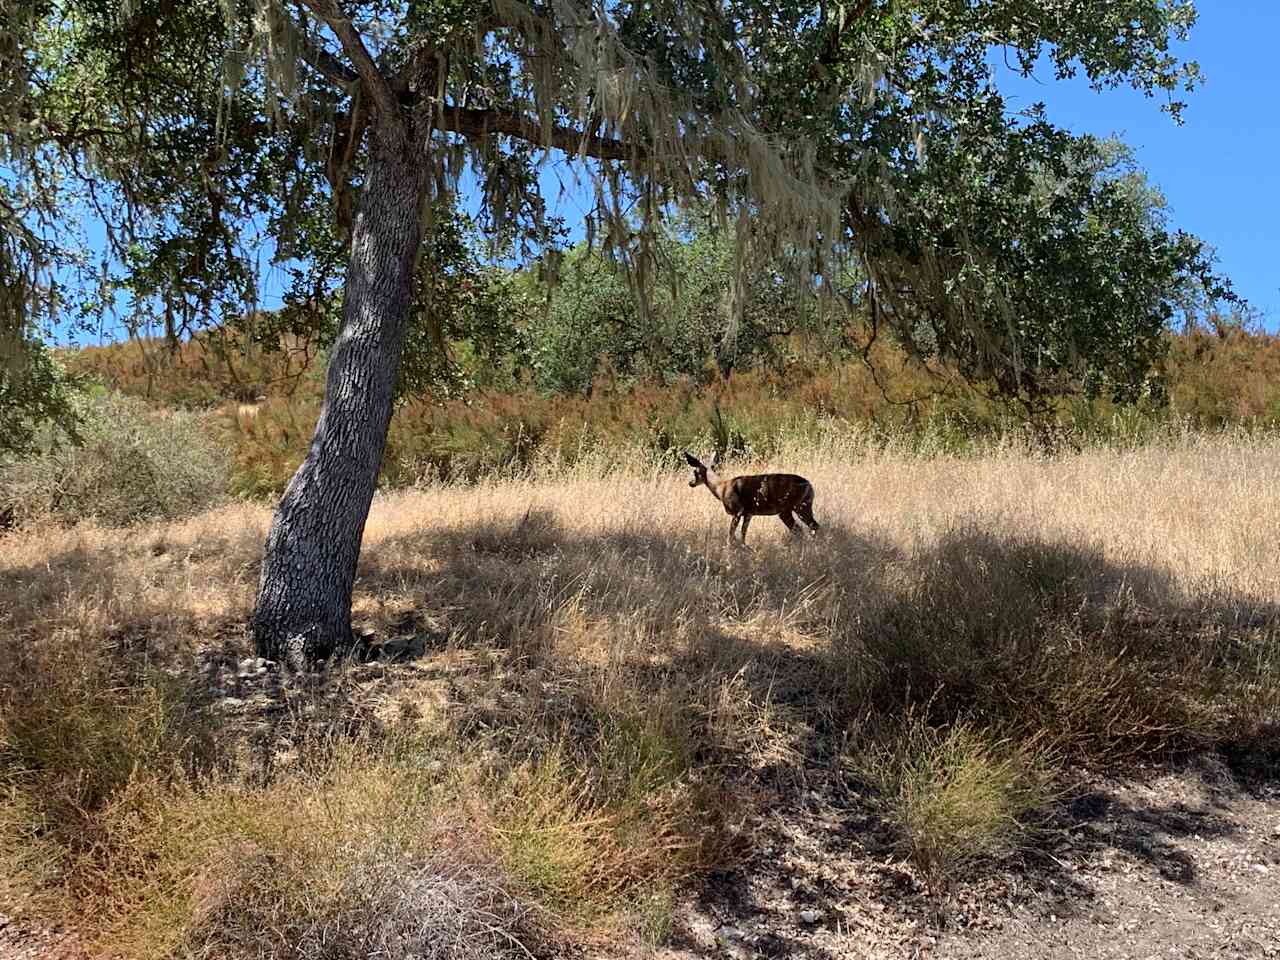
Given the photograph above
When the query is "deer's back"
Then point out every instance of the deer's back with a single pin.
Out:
(766, 494)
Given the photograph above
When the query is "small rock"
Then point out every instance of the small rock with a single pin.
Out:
(232, 703)
(810, 916)
(727, 932)
(251, 667)
(1261, 868)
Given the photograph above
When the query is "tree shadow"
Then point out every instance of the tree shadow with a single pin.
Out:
(1099, 821)
(775, 650)
(253, 710)
(971, 625)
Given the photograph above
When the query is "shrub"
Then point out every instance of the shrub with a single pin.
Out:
(955, 793)
(133, 463)
(35, 391)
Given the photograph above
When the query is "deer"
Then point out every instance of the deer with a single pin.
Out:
(782, 495)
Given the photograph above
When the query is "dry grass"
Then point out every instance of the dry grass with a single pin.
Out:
(357, 853)
(596, 679)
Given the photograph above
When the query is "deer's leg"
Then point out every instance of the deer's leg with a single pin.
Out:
(806, 514)
(746, 522)
(733, 526)
(786, 517)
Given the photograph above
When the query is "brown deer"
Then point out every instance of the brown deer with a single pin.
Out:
(762, 495)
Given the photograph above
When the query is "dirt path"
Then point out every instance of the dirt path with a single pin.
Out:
(1171, 864)
(1183, 866)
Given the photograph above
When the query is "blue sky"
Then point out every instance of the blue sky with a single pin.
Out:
(1219, 170)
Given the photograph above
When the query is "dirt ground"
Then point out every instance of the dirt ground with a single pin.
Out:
(19, 941)
(1170, 863)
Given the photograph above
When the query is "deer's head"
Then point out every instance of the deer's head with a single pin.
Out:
(700, 469)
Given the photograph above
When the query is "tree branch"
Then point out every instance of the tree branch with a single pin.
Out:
(324, 62)
(379, 89)
(66, 135)
(478, 123)
(861, 11)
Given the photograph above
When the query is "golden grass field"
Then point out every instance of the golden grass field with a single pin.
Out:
(577, 697)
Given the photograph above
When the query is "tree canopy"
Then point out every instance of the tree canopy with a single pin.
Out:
(869, 136)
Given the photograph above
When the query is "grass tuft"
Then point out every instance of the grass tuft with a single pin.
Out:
(78, 730)
(956, 794)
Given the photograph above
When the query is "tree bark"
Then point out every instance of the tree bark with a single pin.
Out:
(303, 611)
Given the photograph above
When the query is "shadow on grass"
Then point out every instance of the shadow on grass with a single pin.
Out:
(772, 656)
(1111, 663)
(965, 626)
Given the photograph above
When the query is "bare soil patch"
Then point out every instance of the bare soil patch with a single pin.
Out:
(1181, 861)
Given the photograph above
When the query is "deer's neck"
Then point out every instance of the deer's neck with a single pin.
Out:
(715, 485)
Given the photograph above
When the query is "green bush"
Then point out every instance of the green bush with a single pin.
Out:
(132, 464)
(955, 793)
(35, 391)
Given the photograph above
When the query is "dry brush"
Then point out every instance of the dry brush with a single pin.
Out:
(590, 671)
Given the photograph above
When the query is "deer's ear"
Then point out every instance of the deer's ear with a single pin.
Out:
(715, 460)
(691, 459)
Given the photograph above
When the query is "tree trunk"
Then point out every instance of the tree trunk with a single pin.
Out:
(303, 611)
